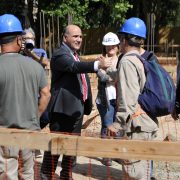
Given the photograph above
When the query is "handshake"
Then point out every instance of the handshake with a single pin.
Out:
(104, 63)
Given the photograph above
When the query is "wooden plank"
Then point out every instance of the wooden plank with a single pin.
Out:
(89, 58)
(91, 117)
(91, 147)
(162, 60)
(26, 139)
(124, 149)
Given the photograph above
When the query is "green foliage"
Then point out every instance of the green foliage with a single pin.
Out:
(98, 13)
(119, 12)
(74, 9)
(88, 13)
(107, 13)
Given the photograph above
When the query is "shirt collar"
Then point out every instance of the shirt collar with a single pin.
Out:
(133, 52)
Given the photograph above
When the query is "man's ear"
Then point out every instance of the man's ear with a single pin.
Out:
(64, 38)
(125, 41)
(19, 41)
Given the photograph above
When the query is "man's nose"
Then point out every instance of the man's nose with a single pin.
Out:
(79, 39)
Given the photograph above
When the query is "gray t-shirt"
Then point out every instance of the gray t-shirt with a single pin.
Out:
(21, 78)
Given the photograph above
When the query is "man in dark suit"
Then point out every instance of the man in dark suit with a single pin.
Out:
(69, 88)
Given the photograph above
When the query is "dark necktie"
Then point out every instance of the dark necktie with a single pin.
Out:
(83, 79)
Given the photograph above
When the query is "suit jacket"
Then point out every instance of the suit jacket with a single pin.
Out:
(66, 85)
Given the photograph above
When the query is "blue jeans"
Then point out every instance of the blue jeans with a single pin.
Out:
(107, 116)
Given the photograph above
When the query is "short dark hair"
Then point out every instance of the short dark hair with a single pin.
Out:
(133, 40)
(7, 39)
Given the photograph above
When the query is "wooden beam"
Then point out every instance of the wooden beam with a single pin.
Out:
(26, 139)
(124, 149)
(162, 60)
(91, 117)
(91, 147)
(89, 58)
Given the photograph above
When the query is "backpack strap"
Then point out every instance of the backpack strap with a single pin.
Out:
(146, 56)
(138, 56)
(149, 55)
(139, 109)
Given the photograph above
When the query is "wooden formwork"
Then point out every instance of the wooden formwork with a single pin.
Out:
(91, 147)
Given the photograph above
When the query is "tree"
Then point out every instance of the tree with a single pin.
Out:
(165, 11)
(23, 9)
(91, 13)
(96, 13)
(72, 10)
(107, 13)
(88, 13)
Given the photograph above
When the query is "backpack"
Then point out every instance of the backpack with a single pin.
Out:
(159, 92)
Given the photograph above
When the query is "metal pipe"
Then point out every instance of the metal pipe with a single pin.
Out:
(44, 29)
(40, 21)
(50, 49)
(53, 33)
(58, 30)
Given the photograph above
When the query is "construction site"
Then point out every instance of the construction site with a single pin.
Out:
(89, 148)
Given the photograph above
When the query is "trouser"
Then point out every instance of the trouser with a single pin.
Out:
(138, 169)
(107, 116)
(15, 164)
(60, 123)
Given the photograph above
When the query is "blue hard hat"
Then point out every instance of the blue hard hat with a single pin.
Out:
(134, 26)
(10, 24)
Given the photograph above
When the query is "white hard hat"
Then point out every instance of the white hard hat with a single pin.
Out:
(110, 39)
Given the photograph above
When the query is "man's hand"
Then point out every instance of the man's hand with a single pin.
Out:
(112, 131)
(29, 53)
(104, 63)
